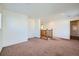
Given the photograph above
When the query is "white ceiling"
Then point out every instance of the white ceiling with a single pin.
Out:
(41, 9)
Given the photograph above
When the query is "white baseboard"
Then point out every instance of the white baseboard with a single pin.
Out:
(62, 38)
(13, 43)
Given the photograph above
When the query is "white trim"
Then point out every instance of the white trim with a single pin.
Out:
(0, 49)
(9, 44)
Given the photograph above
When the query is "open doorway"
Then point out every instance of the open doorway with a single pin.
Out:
(74, 29)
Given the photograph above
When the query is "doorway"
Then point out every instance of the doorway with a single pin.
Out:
(74, 29)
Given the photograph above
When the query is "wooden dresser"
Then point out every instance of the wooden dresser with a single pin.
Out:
(46, 34)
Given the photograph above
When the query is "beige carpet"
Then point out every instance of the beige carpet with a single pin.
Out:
(38, 47)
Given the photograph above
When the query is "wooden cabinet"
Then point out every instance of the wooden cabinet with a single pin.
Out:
(46, 34)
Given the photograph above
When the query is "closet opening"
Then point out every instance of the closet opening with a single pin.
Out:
(74, 29)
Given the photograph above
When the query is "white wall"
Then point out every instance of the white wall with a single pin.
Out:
(61, 28)
(34, 27)
(0, 20)
(31, 23)
(1, 28)
(18, 28)
(15, 28)
(37, 28)
(0, 40)
(0, 33)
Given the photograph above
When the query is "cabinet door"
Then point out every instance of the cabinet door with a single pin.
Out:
(43, 32)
